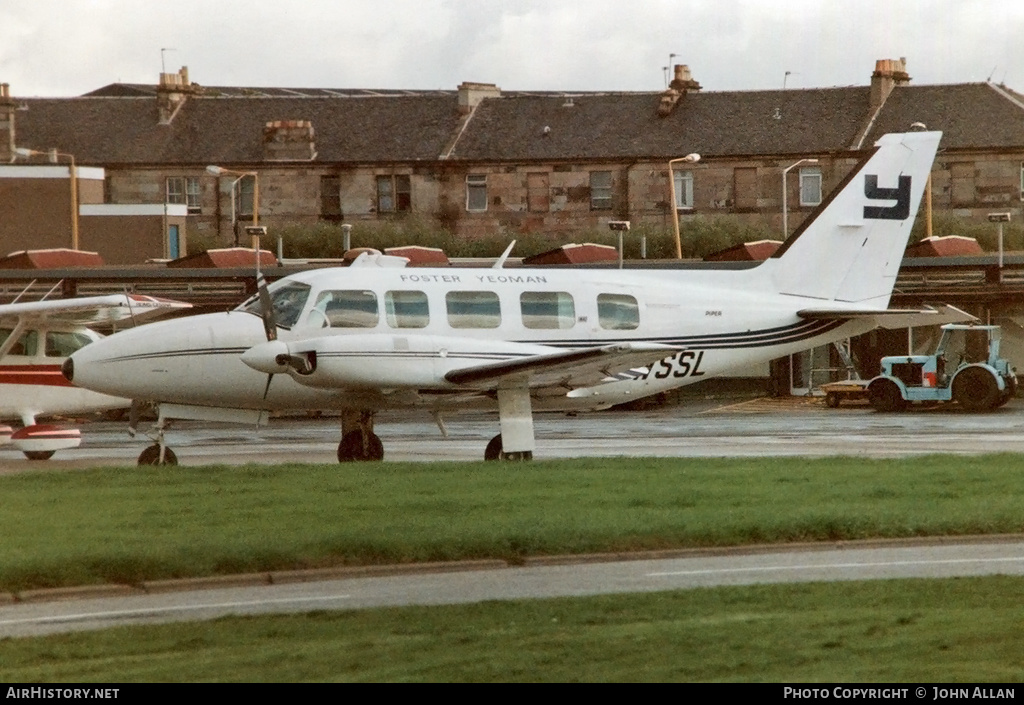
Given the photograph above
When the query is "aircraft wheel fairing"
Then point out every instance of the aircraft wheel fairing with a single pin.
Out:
(151, 456)
(353, 447)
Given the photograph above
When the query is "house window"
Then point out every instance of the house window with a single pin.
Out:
(394, 194)
(330, 198)
(246, 196)
(476, 192)
(538, 199)
(810, 187)
(184, 190)
(962, 177)
(600, 190)
(684, 189)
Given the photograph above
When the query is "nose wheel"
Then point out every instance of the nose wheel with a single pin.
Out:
(357, 446)
(151, 456)
(358, 441)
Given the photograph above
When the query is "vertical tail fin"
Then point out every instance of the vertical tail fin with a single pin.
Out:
(851, 248)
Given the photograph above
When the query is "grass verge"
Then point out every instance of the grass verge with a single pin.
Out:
(129, 525)
(900, 631)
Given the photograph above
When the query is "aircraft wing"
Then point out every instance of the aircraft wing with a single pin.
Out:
(90, 310)
(896, 317)
(569, 369)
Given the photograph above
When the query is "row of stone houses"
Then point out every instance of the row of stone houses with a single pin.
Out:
(480, 160)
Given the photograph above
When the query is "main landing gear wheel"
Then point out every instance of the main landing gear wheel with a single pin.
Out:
(39, 454)
(357, 446)
(494, 452)
(151, 456)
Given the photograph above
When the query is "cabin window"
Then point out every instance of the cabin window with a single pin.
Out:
(476, 192)
(600, 190)
(394, 194)
(62, 344)
(684, 189)
(346, 309)
(288, 298)
(406, 309)
(547, 310)
(185, 190)
(27, 344)
(618, 311)
(473, 309)
(810, 187)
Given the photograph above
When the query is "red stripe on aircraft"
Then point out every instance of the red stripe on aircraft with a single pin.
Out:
(45, 375)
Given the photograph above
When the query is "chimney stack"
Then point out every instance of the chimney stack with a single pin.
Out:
(289, 141)
(7, 109)
(171, 93)
(682, 83)
(888, 74)
(471, 95)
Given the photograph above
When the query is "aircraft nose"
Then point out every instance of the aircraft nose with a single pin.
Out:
(68, 370)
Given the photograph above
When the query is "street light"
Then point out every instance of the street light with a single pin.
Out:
(785, 209)
(72, 172)
(688, 159)
(221, 171)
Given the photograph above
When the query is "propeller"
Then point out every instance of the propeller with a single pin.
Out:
(268, 316)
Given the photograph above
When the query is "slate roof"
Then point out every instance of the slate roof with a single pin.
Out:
(970, 115)
(230, 130)
(627, 125)
(118, 124)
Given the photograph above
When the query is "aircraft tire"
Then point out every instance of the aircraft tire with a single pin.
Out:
(885, 397)
(38, 454)
(975, 389)
(352, 448)
(493, 450)
(151, 456)
(833, 400)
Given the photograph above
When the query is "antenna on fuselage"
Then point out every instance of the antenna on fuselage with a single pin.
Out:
(504, 256)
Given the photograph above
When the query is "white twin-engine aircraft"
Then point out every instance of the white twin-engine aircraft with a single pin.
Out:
(377, 335)
(35, 339)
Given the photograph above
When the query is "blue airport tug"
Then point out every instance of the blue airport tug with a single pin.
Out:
(965, 368)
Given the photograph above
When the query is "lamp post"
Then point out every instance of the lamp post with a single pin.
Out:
(688, 159)
(785, 208)
(53, 154)
(221, 171)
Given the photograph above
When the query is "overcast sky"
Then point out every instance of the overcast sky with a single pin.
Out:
(68, 47)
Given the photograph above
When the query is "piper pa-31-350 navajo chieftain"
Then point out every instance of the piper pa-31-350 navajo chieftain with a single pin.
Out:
(35, 339)
(377, 335)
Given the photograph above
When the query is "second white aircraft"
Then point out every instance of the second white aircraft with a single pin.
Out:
(377, 335)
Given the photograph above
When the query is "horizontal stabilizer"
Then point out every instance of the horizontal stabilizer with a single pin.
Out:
(571, 368)
(895, 317)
